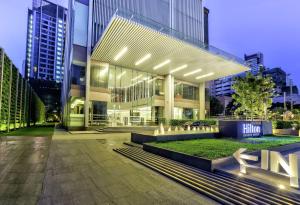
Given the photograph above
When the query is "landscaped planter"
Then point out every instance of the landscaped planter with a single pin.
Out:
(207, 164)
(286, 132)
(141, 138)
(198, 162)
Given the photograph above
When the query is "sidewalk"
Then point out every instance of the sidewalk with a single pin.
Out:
(83, 169)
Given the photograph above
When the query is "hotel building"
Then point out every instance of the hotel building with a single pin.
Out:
(138, 62)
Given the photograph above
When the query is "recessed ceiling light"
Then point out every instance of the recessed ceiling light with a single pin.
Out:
(143, 59)
(204, 76)
(149, 81)
(193, 72)
(120, 76)
(121, 53)
(161, 64)
(178, 68)
(137, 77)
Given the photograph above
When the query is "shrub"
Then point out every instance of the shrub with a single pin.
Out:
(175, 122)
(280, 124)
(209, 122)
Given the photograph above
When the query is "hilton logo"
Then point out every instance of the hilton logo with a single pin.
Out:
(250, 129)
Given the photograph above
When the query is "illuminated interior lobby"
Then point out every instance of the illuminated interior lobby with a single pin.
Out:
(140, 73)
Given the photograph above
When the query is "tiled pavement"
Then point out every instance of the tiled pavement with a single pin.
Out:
(82, 170)
(23, 164)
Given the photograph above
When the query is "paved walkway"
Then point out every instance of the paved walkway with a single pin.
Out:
(22, 169)
(82, 169)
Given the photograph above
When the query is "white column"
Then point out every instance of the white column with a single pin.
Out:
(169, 97)
(202, 101)
(87, 94)
(88, 68)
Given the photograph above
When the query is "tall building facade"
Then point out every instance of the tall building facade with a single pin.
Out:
(45, 41)
(138, 62)
(206, 25)
(255, 62)
(223, 86)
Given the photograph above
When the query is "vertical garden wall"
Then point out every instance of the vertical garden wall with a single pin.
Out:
(19, 104)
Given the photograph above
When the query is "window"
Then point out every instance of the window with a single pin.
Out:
(185, 91)
(159, 87)
(99, 75)
(78, 75)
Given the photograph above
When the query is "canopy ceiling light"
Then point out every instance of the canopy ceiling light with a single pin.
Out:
(193, 72)
(121, 53)
(143, 59)
(204, 76)
(178, 68)
(137, 77)
(120, 76)
(161, 64)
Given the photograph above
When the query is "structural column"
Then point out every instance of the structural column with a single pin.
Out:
(169, 97)
(202, 101)
(88, 69)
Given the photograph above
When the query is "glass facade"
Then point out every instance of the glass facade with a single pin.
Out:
(131, 95)
(185, 91)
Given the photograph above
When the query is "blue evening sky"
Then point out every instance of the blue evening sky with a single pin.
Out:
(237, 26)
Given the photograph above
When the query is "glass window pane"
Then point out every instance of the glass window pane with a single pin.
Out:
(99, 75)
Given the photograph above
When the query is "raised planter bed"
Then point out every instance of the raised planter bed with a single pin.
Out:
(286, 132)
(141, 138)
(207, 164)
(198, 162)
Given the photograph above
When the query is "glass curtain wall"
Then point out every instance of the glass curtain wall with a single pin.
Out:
(131, 93)
(131, 96)
(185, 92)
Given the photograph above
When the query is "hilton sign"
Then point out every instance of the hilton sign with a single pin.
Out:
(251, 130)
(244, 128)
(271, 161)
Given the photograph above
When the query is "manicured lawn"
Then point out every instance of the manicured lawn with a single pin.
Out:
(218, 148)
(31, 131)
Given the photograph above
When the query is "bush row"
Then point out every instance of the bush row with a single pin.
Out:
(183, 122)
(280, 124)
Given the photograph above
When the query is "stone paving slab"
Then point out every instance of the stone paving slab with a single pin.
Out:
(87, 171)
(70, 169)
(23, 165)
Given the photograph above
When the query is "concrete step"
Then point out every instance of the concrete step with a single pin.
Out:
(132, 144)
(225, 190)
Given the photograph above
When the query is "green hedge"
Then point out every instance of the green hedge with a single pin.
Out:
(174, 122)
(280, 124)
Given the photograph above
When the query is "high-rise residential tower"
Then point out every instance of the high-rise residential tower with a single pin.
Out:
(255, 62)
(45, 41)
(223, 86)
(138, 62)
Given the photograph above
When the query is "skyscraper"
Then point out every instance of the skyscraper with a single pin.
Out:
(222, 86)
(45, 41)
(255, 62)
(206, 25)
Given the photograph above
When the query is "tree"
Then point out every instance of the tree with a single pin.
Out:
(216, 106)
(231, 107)
(253, 95)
